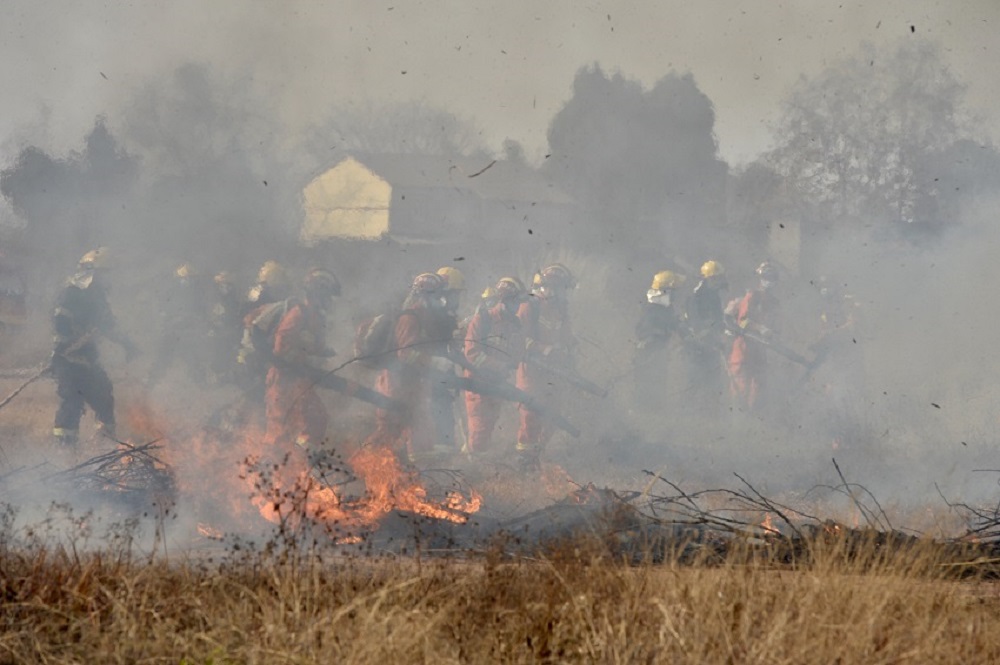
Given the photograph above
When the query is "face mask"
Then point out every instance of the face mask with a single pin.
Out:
(658, 297)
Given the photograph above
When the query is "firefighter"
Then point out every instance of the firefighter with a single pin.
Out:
(296, 417)
(273, 284)
(707, 339)
(225, 326)
(82, 315)
(417, 332)
(549, 340)
(658, 324)
(752, 320)
(183, 325)
(838, 364)
(454, 288)
(494, 346)
(487, 299)
(443, 397)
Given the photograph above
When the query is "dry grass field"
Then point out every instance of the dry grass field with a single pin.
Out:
(844, 601)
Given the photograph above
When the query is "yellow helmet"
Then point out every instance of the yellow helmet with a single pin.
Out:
(453, 277)
(273, 274)
(96, 259)
(186, 270)
(667, 279)
(223, 277)
(711, 269)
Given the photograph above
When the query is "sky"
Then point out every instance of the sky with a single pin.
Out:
(508, 66)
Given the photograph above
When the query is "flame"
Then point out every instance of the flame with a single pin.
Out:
(390, 487)
(215, 469)
(556, 481)
(768, 525)
(209, 531)
(281, 495)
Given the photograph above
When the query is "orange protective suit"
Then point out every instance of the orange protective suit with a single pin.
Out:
(545, 324)
(296, 417)
(756, 311)
(494, 345)
(406, 379)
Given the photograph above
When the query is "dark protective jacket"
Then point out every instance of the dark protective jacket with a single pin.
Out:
(82, 314)
(704, 312)
(656, 324)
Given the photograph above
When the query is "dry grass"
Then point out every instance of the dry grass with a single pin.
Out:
(848, 604)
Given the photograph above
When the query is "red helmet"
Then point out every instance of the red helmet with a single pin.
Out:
(556, 275)
(322, 282)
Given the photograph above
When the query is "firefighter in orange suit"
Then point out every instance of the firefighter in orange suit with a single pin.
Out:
(752, 320)
(494, 345)
(296, 417)
(421, 328)
(545, 323)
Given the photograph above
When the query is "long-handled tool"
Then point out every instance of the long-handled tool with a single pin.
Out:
(31, 379)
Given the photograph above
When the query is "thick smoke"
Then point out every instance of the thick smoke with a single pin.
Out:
(199, 167)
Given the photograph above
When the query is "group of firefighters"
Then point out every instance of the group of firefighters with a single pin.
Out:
(517, 346)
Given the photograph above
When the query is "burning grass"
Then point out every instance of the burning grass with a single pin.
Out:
(849, 600)
(664, 575)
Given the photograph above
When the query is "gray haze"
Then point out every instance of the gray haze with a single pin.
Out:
(506, 65)
(186, 131)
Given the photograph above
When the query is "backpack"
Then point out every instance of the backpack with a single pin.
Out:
(373, 340)
(257, 345)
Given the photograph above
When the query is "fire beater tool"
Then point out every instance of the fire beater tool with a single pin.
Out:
(44, 371)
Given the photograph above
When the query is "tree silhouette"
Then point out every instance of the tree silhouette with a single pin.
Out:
(645, 161)
(861, 139)
(72, 203)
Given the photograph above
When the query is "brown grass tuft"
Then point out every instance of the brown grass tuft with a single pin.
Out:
(844, 600)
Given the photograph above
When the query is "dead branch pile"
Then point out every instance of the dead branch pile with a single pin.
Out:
(132, 473)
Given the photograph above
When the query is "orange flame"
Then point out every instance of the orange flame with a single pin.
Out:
(768, 525)
(208, 468)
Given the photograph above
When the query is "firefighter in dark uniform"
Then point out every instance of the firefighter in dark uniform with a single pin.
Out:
(183, 324)
(707, 342)
(225, 327)
(273, 284)
(657, 326)
(82, 315)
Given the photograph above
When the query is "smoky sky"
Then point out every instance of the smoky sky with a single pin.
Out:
(506, 66)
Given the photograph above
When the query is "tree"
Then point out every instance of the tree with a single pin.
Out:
(72, 203)
(645, 159)
(855, 138)
(215, 185)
